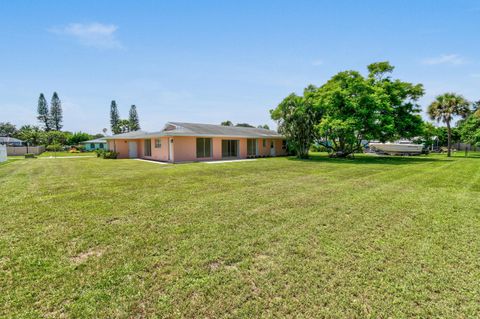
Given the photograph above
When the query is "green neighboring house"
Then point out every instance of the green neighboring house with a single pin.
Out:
(97, 144)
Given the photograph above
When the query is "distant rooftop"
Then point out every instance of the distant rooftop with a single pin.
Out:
(97, 141)
(6, 139)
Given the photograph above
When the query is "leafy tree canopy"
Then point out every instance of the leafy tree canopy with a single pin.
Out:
(133, 120)
(355, 108)
(469, 129)
(350, 108)
(7, 129)
(123, 126)
(56, 113)
(30, 134)
(77, 137)
(243, 125)
(43, 112)
(114, 118)
(296, 118)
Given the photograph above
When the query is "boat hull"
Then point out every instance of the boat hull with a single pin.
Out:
(397, 149)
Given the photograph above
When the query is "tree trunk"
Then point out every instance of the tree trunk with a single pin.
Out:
(449, 139)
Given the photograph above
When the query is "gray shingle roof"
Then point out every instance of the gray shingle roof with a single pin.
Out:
(196, 129)
(6, 139)
(134, 134)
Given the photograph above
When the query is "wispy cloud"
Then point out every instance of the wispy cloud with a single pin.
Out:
(97, 35)
(475, 75)
(317, 62)
(452, 59)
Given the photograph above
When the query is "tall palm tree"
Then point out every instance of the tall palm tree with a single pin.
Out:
(445, 107)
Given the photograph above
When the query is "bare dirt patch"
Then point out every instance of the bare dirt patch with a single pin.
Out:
(82, 257)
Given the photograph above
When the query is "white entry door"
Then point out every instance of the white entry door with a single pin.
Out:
(272, 148)
(170, 149)
(132, 150)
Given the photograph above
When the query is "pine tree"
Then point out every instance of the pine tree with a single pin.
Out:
(133, 121)
(43, 114)
(56, 116)
(114, 118)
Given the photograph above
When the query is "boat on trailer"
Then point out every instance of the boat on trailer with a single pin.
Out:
(398, 148)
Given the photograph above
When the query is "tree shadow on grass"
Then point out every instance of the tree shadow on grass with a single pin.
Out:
(371, 159)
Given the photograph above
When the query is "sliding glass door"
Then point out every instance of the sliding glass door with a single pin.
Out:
(251, 147)
(147, 149)
(229, 148)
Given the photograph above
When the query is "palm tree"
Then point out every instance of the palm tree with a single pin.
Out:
(445, 107)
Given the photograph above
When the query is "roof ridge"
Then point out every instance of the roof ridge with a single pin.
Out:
(220, 125)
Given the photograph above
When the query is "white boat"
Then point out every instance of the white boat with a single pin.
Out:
(399, 148)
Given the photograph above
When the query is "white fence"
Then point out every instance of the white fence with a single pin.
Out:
(3, 153)
(22, 150)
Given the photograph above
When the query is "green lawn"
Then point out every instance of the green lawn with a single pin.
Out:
(374, 237)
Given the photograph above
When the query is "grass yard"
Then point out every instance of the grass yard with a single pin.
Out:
(372, 237)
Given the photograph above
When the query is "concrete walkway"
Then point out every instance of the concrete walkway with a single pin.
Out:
(50, 157)
(231, 161)
(150, 161)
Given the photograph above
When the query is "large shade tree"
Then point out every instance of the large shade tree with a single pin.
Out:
(350, 108)
(356, 108)
(296, 118)
(445, 108)
(351, 112)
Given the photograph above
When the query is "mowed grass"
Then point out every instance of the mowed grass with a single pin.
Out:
(374, 237)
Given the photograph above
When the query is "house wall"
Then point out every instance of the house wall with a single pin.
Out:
(119, 146)
(185, 148)
(161, 153)
(158, 154)
(88, 147)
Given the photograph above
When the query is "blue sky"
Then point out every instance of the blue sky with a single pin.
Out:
(209, 61)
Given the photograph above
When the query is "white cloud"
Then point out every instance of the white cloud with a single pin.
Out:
(452, 59)
(94, 34)
(317, 63)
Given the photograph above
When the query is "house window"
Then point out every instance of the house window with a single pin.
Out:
(92, 145)
(204, 147)
(264, 142)
(229, 148)
(251, 147)
(284, 144)
(158, 143)
(100, 145)
(147, 150)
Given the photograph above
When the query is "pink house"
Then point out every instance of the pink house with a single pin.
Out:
(189, 142)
